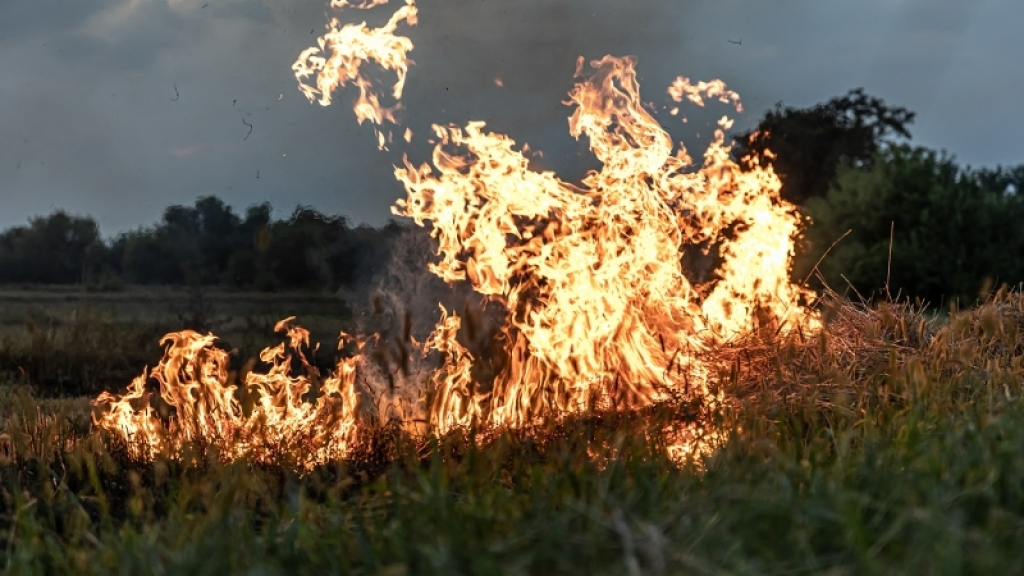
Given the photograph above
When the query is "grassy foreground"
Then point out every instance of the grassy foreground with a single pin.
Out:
(887, 444)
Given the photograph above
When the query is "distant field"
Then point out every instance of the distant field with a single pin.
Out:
(161, 303)
(66, 340)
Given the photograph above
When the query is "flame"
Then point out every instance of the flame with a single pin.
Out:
(339, 57)
(601, 313)
(682, 88)
(359, 6)
(453, 399)
(591, 273)
(193, 380)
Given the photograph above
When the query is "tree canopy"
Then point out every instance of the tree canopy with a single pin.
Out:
(952, 232)
(809, 144)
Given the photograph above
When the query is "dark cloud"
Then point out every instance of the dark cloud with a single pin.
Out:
(89, 123)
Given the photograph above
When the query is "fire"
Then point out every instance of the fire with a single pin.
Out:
(347, 49)
(682, 88)
(193, 379)
(600, 311)
(591, 274)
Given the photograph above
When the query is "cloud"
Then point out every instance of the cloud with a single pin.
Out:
(37, 18)
(109, 23)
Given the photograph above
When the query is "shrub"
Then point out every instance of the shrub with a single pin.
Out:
(951, 234)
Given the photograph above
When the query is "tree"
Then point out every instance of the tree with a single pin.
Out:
(196, 243)
(808, 144)
(242, 268)
(145, 259)
(950, 231)
(50, 250)
(203, 244)
(365, 255)
(297, 252)
(1009, 181)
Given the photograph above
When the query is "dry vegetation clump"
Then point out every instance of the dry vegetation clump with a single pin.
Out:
(81, 354)
(869, 353)
(984, 344)
(851, 355)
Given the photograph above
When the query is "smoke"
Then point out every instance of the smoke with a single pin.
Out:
(402, 311)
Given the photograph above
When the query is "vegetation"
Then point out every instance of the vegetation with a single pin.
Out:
(953, 231)
(892, 218)
(206, 244)
(64, 341)
(809, 144)
(918, 225)
(888, 444)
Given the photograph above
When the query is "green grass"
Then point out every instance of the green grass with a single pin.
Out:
(888, 445)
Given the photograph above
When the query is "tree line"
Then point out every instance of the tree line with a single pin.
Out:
(203, 244)
(883, 217)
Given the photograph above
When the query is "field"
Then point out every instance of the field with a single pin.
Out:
(65, 341)
(890, 443)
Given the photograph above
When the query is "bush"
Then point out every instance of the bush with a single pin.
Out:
(952, 233)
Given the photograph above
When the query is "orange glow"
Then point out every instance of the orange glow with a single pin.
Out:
(601, 311)
(682, 88)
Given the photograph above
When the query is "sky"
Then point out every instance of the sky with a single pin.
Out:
(119, 108)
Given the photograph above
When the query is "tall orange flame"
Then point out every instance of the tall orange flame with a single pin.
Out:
(592, 273)
(601, 313)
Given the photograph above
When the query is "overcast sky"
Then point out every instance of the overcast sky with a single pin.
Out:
(118, 108)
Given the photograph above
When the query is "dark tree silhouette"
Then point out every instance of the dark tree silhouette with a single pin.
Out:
(950, 232)
(808, 144)
(50, 250)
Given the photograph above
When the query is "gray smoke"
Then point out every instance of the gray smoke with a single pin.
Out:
(402, 311)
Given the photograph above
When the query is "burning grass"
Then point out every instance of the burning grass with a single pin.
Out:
(888, 443)
(69, 342)
(599, 312)
(626, 418)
